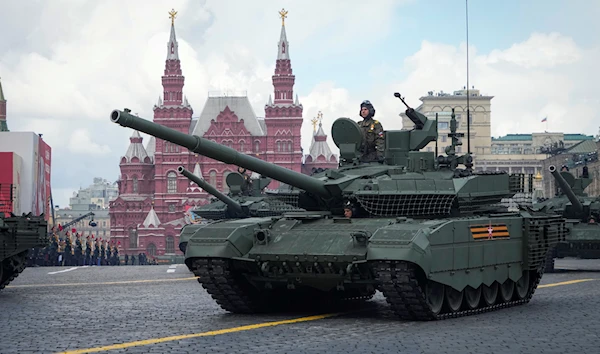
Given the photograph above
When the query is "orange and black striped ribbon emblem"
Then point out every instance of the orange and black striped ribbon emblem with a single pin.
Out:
(490, 232)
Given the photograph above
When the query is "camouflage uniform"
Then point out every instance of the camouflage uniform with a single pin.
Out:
(374, 139)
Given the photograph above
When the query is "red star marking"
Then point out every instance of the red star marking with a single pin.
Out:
(490, 232)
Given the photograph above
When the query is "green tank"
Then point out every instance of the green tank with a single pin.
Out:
(246, 199)
(431, 236)
(582, 213)
(18, 234)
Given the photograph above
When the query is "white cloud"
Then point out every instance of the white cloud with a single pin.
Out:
(546, 75)
(81, 142)
(72, 68)
(539, 51)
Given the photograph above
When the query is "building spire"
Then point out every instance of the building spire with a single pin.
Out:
(172, 46)
(283, 80)
(172, 80)
(283, 45)
(3, 125)
(283, 15)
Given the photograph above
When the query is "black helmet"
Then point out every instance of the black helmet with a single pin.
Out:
(367, 104)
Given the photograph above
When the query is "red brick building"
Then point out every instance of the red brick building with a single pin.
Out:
(149, 211)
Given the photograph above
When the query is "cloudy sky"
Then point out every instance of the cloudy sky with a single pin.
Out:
(66, 64)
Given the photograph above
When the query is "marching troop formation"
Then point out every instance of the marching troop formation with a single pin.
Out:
(69, 250)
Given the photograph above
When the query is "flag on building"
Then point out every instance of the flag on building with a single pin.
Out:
(545, 119)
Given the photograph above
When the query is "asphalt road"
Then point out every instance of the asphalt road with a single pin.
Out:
(162, 309)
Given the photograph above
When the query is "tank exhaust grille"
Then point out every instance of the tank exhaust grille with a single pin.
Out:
(290, 199)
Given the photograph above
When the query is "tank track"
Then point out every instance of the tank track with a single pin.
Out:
(234, 294)
(400, 287)
(12, 267)
(230, 292)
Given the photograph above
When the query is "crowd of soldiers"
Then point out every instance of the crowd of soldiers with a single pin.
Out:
(61, 251)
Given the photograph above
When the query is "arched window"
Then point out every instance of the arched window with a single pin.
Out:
(279, 146)
(242, 146)
(133, 238)
(135, 184)
(151, 250)
(171, 182)
(256, 146)
(289, 146)
(212, 178)
(170, 244)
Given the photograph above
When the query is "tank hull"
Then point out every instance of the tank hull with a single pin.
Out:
(582, 241)
(350, 258)
(18, 234)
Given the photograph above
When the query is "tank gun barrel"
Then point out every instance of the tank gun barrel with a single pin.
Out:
(564, 186)
(221, 153)
(210, 189)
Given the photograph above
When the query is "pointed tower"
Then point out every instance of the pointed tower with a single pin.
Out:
(319, 155)
(136, 168)
(3, 124)
(283, 114)
(173, 111)
(135, 191)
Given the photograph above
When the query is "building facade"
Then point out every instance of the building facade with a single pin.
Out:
(95, 198)
(148, 214)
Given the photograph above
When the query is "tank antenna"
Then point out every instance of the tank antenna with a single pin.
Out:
(437, 135)
(468, 106)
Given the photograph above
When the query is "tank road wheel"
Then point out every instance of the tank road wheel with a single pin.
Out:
(434, 295)
(522, 286)
(507, 289)
(490, 293)
(472, 297)
(454, 298)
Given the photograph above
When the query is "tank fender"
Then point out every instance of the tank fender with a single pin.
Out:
(394, 244)
(232, 239)
(188, 231)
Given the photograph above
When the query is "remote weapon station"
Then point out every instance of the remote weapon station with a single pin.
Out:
(431, 236)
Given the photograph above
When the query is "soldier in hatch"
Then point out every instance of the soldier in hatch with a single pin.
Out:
(374, 140)
(247, 189)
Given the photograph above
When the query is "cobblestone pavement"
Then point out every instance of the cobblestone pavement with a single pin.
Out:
(54, 309)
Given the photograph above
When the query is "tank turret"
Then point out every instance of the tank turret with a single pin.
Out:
(566, 189)
(236, 209)
(245, 199)
(581, 211)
